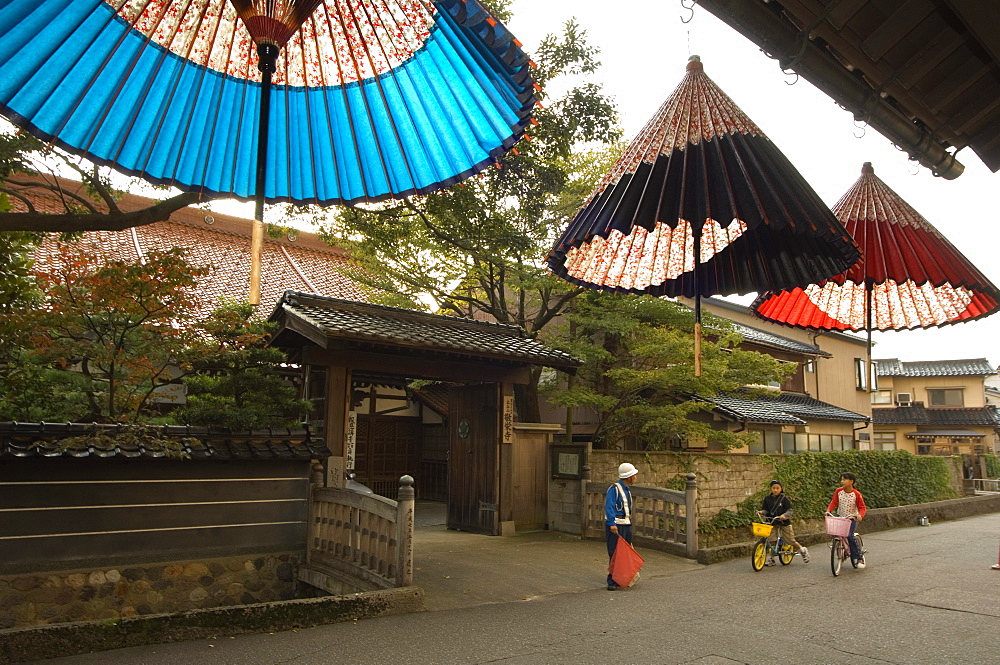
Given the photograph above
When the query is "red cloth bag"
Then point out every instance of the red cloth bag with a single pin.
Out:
(625, 564)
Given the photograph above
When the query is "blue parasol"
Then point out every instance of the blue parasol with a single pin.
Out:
(353, 100)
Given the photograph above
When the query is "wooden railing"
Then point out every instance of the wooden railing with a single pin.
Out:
(662, 518)
(986, 484)
(363, 537)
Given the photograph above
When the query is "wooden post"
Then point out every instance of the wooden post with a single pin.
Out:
(584, 506)
(404, 533)
(691, 514)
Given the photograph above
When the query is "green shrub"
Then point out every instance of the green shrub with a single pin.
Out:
(992, 466)
(885, 478)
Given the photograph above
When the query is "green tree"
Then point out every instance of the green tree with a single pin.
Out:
(478, 247)
(235, 383)
(638, 353)
(108, 332)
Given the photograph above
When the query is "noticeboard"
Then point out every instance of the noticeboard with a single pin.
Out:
(567, 461)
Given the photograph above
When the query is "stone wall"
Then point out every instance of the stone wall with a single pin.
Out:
(720, 485)
(723, 479)
(564, 506)
(111, 593)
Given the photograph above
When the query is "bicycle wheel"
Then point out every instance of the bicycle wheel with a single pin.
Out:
(786, 553)
(861, 548)
(759, 555)
(836, 555)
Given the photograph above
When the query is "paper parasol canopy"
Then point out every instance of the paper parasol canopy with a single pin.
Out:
(701, 181)
(371, 98)
(909, 275)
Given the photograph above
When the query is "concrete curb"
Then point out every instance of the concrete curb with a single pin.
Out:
(41, 642)
(877, 519)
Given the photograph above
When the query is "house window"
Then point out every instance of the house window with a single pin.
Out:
(810, 366)
(884, 440)
(882, 397)
(860, 373)
(945, 397)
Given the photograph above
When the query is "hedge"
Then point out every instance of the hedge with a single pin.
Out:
(992, 466)
(884, 477)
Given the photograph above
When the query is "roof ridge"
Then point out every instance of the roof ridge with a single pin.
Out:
(291, 296)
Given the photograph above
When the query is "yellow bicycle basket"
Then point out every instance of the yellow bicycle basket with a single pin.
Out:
(761, 530)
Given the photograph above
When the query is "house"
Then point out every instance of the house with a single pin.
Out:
(298, 260)
(934, 407)
(823, 405)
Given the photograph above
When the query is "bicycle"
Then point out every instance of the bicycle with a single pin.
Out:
(840, 549)
(763, 548)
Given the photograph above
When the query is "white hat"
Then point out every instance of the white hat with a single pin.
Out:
(626, 470)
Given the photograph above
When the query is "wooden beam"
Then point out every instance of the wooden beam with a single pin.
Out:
(416, 367)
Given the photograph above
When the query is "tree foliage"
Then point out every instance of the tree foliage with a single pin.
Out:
(638, 378)
(107, 333)
(234, 383)
(478, 247)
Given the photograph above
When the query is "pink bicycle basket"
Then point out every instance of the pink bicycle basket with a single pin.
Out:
(838, 526)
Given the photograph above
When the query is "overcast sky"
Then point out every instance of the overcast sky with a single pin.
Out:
(644, 48)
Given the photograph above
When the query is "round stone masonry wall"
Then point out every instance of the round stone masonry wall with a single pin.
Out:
(111, 593)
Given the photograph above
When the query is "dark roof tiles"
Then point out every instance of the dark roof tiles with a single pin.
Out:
(41, 440)
(757, 336)
(784, 409)
(918, 414)
(972, 367)
(363, 322)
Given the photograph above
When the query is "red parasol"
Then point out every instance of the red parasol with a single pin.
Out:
(701, 203)
(909, 275)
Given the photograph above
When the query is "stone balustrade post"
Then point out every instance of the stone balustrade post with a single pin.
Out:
(691, 514)
(315, 482)
(404, 532)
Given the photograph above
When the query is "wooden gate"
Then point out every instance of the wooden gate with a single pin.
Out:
(473, 452)
(387, 447)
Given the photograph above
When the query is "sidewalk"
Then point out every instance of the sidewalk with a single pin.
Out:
(457, 569)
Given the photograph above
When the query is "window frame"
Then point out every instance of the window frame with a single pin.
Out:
(946, 391)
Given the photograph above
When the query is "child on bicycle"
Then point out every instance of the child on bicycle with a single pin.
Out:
(779, 507)
(849, 503)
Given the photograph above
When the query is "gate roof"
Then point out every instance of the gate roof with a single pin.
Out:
(326, 321)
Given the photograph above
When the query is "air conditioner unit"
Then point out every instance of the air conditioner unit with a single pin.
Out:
(904, 399)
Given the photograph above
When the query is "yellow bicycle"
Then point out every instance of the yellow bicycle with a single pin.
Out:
(764, 548)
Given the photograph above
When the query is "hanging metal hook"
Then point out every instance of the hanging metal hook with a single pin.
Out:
(916, 167)
(789, 73)
(863, 127)
(690, 8)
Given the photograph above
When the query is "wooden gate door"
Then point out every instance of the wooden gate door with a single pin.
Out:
(387, 448)
(473, 458)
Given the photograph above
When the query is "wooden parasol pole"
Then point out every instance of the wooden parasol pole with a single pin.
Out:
(697, 307)
(267, 57)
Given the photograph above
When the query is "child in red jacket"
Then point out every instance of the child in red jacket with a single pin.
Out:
(849, 503)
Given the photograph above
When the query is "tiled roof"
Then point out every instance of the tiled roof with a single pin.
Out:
(755, 411)
(973, 367)
(785, 408)
(361, 322)
(223, 243)
(435, 396)
(764, 338)
(918, 414)
(46, 440)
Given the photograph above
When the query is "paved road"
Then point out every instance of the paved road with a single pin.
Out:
(928, 596)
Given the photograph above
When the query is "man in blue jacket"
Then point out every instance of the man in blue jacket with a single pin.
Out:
(618, 513)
